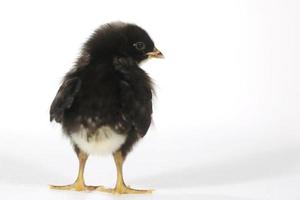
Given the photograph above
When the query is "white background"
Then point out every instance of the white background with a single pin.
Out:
(226, 116)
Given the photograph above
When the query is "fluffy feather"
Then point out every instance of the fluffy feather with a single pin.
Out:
(107, 88)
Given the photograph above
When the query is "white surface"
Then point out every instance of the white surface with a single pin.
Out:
(227, 113)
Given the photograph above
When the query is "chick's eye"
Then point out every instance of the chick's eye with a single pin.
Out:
(139, 46)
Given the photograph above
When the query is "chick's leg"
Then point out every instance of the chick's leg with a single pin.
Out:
(121, 187)
(79, 184)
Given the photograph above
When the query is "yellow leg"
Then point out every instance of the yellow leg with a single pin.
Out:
(79, 184)
(120, 187)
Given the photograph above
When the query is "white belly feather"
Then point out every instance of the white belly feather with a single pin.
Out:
(104, 141)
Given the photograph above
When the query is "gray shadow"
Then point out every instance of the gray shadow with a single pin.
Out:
(181, 196)
(198, 197)
(260, 165)
(16, 171)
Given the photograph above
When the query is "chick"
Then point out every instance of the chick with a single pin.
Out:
(105, 101)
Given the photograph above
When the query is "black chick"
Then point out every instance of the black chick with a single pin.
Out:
(105, 101)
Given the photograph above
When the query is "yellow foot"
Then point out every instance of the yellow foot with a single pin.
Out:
(123, 190)
(75, 186)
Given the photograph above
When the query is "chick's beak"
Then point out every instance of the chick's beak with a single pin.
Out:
(155, 54)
